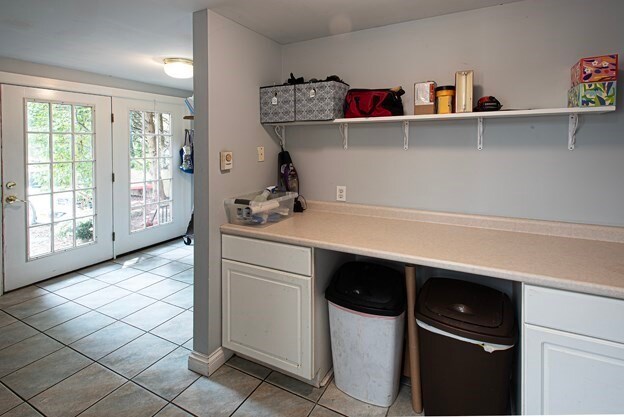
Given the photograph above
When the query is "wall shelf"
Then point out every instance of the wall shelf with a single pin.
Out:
(572, 114)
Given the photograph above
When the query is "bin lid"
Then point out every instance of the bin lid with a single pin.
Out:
(467, 309)
(368, 288)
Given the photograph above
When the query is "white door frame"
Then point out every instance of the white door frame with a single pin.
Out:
(70, 86)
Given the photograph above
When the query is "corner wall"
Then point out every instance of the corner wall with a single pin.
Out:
(233, 63)
(521, 53)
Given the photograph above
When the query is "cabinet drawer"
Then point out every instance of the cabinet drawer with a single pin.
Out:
(289, 258)
(267, 315)
(584, 314)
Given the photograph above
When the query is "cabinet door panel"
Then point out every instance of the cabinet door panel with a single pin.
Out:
(572, 374)
(267, 316)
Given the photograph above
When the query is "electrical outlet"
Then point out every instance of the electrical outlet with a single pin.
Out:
(341, 193)
(260, 153)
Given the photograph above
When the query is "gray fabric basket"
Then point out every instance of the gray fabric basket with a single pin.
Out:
(277, 104)
(320, 101)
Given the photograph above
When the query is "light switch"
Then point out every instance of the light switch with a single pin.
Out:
(227, 159)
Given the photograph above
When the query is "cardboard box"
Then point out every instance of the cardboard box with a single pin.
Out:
(592, 94)
(595, 69)
(424, 97)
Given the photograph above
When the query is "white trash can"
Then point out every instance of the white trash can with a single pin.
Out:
(367, 325)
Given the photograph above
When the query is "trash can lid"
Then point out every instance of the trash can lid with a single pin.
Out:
(368, 288)
(467, 309)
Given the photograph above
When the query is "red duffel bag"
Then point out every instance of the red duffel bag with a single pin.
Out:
(374, 103)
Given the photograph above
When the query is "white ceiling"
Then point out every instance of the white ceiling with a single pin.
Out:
(129, 38)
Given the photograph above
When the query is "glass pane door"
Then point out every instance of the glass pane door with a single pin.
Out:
(56, 168)
(60, 176)
(151, 162)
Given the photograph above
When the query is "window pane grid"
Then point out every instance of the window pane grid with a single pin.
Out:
(151, 159)
(60, 176)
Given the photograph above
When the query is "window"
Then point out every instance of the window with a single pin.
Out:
(151, 169)
(60, 143)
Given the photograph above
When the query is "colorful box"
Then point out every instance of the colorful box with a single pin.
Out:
(595, 69)
(424, 97)
(592, 94)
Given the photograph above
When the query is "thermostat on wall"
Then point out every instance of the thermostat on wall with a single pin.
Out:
(226, 160)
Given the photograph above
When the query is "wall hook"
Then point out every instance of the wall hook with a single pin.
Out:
(280, 132)
(405, 135)
(573, 123)
(344, 132)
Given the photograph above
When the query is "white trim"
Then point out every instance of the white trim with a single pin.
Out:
(207, 365)
(488, 347)
(70, 86)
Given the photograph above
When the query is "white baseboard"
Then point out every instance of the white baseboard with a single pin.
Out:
(207, 365)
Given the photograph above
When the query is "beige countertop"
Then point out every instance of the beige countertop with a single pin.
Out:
(496, 247)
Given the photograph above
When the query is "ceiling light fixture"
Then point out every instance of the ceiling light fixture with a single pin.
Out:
(179, 67)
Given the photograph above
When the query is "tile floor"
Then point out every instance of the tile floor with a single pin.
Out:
(113, 340)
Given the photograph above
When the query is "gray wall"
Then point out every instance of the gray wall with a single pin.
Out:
(238, 61)
(522, 54)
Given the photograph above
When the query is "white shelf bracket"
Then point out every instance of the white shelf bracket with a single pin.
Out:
(572, 129)
(405, 135)
(344, 132)
(280, 132)
(480, 133)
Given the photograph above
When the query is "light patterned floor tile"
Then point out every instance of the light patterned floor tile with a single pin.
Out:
(42, 374)
(130, 400)
(186, 276)
(22, 410)
(182, 299)
(102, 297)
(169, 376)
(172, 268)
(402, 406)
(99, 269)
(119, 275)
(175, 254)
(138, 355)
(163, 289)
(62, 281)
(14, 333)
(34, 306)
(177, 330)
(126, 306)
(81, 326)
(295, 386)
(219, 395)
(131, 258)
(188, 259)
(141, 281)
(320, 411)
(82, 288)
(337, 400)
(106, 340)
(172, 411)
(151, 263)
(21, 295)
(152, 315)
(78, 392)
(26, 352)
(8, 400)
(6, 319)
(56, 315)
(270, 401)
(249, 367)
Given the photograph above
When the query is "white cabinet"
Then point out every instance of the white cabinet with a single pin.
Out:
(274, 308)
(267, 316)
(567, 368)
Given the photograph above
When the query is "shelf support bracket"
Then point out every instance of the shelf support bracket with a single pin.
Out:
(344, 132)
(405, 135)
(572, 129)
(480, 133)
(280, 132)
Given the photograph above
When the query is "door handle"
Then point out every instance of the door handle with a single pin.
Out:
(11, 199)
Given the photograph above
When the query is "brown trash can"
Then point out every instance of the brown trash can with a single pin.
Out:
(467, 334)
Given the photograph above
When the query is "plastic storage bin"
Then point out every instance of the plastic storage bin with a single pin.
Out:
(467, 334)
(243, 210)
(366, 321)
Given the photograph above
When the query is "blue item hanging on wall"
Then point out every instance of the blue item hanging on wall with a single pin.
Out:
(186, 153)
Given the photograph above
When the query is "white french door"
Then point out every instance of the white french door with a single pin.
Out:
(152, 197)
(57, 185)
